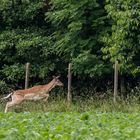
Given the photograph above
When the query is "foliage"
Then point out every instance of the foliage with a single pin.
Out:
(20, 46)
(68, 126)
(122, 42)
(20, 13)
(51, 33)
(23, 38)
(77, 27)
(3, 87)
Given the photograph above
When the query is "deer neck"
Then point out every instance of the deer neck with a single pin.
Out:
(50, 86)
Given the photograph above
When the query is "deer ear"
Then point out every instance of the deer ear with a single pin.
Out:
(57, 77)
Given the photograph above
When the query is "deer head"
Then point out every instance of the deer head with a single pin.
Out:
(57, 81)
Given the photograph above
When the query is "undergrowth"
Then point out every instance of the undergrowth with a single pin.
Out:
(58, 104)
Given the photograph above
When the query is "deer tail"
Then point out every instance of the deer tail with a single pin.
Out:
(9, 95)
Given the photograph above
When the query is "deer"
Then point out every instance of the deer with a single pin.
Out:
(34, 93)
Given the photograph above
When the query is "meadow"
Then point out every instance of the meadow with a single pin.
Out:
(88, 119)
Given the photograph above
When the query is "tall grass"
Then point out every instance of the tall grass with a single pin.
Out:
(57, 104)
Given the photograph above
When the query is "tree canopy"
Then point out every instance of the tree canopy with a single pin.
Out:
(50, 34)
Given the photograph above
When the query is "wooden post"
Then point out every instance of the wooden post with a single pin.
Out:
(69, 96)
(27, 75)
(115, 81)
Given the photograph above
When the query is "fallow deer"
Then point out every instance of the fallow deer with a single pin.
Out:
(34, 93)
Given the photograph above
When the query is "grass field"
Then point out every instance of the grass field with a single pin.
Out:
(88, 119)
(70, 126)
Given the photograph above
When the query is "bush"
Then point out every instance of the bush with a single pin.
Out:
(4, 88)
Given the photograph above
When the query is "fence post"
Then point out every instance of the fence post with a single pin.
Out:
(27, 75)
(69, 95)
(115, 81)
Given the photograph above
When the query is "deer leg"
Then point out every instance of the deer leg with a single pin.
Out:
(8, 105)
(45, 100)
(14, 101)
(46, 97)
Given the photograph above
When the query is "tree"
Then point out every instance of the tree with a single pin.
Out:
(23, 37)
(122, 41)
(77, 26)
